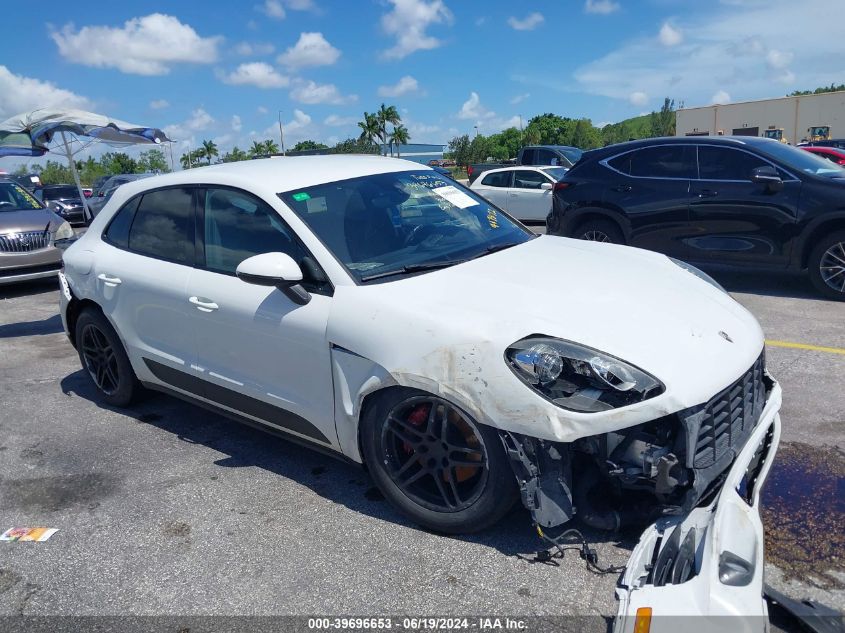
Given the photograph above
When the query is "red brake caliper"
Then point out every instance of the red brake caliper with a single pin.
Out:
(417, 417)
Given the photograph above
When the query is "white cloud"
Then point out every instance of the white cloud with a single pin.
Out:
(779, 59)
(717, 53)
(261, 110)
(184, 132)
(669, 35)
(638, 98)
(297, 129)
(602, 7)
(311, 49)
(520, 98)
(248, 49)
(721, 97)
(312, 92)
(148, 45)
(406, 85)
(236, 123)
(528, 23)
(408, 22)
(19, 94)
(259, 74)
(473, 109)
(272, 9)
(335, 120)
(199, 120)
(159, 104)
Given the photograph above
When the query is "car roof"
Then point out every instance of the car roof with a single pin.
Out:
(724, 141)
(270, 176)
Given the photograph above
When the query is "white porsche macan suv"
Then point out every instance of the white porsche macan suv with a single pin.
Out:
(370, 307)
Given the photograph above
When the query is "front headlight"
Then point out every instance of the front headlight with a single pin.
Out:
(64, 232)
(579, 378)
(698, 273)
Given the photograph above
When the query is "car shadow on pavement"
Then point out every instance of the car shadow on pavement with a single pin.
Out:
(41, 286)
(50, 325)
(334, 479)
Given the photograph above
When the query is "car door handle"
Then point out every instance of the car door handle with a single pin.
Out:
(707, 193)
(203, 304)
(109, 280)
(622, 188)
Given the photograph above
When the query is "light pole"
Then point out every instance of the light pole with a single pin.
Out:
(281, 133)
(476, 130)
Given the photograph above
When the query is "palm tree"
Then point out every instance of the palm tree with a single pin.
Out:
(185, 160)
(209, 149)
(399, 136)
(370, 130)
(257, 149)
(385, 115)
(270, 147)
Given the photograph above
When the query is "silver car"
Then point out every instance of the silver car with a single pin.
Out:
(28, 235)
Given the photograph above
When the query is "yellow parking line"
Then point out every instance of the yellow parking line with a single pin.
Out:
(814, 348)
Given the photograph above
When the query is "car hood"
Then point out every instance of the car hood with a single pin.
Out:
(449, 329)
(28, 220)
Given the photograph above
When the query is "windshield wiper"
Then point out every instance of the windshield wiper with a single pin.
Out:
(414, 268)
(495, 248)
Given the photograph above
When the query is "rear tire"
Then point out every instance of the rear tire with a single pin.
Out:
(827, 266)
(599, 230)
(104, 360)
(430, 475)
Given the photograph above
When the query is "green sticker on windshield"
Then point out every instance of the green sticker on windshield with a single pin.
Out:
(299, 197)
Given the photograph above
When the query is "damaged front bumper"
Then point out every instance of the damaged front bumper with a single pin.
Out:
(710, 562)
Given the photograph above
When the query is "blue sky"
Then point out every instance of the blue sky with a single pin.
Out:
(223, 70)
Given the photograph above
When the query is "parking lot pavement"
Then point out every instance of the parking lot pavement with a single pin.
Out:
(168, 509)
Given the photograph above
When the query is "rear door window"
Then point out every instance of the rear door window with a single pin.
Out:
(528, 157)
(117, 232)
(725, 163)
(498, 179)
(164, 225)
(663, 161)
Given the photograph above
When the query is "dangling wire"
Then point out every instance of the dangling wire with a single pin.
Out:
(579, 544)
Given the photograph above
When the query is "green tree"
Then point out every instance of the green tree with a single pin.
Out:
(832, 88)
(663, 122)
(153, 160)
(387, 115)
(118, 163)
(549, 129)
(210, 150)
(399, 136)
(308, 145)
(235, 155)
(55, 173)
(459, 151)
(370, 130)
(356, 146)
(271, 147)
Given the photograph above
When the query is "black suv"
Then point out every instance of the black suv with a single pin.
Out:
(743, 201)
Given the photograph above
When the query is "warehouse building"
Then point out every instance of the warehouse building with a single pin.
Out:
(795, 119)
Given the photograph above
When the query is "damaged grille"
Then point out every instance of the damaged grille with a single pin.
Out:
(24, 242)
(729, 417)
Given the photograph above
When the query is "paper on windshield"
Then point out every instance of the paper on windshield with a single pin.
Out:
(455, 196)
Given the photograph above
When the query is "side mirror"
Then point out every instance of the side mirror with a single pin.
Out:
(767, 175)
(275, 269)
(547, 186)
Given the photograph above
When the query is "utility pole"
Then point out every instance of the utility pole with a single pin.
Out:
(476, 130)
(281, 133)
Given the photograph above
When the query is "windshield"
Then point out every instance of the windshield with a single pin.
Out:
(802, 160)
(573, 154)
(555, 172)
(16, 198)
(402, 222)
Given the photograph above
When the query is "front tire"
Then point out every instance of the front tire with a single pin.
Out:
(104, 359)
(599, 230)
(827, 266)
(435, 464)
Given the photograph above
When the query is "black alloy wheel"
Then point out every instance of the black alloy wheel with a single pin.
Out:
(434, 454)
(598, 230)
(100, 359)
(827, 266)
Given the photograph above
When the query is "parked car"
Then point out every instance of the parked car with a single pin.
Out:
(64, 201)
(540, 155)
(832, 142)
(524, 192)
(28, 234)
(107, 189)
(833, 154)
(735, 201)
(363, 307)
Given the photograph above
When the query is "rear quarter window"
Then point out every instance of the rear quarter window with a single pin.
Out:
(117, 232)
(164, 225)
